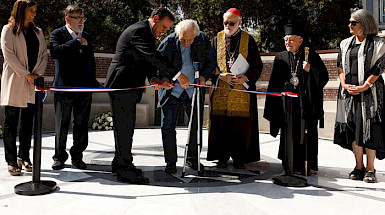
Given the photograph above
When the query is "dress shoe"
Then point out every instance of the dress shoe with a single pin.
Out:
(115, 168)
(194, 165)
(57, 165)
(170, 168)
(222, 164)
(79, 164)
(131, 177)
(239, 166)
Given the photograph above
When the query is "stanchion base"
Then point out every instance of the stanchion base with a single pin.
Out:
(289, 181)
(32, 189)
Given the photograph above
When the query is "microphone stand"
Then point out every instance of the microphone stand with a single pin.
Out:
(196, 98)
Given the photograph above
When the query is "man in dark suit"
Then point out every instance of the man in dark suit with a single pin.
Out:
(135, 60)
(181, 49)
(74, 67)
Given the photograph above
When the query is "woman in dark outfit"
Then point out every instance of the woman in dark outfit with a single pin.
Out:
(25, 58)
(359, 122)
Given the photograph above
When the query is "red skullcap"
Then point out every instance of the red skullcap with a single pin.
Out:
(235, 11)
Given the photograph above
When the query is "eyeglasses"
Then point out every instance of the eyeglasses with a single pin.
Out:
(229, 23)
(354, 23)
(79, 18)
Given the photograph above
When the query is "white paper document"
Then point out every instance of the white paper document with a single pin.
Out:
(240, 67)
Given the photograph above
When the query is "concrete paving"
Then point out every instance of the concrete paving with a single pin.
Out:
(96, 191)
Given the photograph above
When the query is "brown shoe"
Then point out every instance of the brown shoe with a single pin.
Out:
(14, 169)
(25, 163)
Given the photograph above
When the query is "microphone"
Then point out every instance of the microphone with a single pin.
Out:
(196, 66)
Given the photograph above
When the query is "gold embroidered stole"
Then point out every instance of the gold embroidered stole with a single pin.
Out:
(226, 102)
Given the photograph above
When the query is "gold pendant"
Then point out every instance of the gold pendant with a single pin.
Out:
(294, 80)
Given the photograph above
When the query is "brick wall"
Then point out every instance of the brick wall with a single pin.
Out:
(102, 64)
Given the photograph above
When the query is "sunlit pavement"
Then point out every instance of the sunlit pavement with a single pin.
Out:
(230, 191)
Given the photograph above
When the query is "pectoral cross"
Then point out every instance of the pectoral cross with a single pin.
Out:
(230, 62)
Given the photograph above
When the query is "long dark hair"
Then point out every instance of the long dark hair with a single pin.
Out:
(16, 21)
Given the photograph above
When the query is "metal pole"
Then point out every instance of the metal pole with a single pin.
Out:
(188, 135)
(288, 179)
(36, 186)
(199, 144)
(39, 82)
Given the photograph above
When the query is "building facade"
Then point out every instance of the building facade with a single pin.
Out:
(377, 8)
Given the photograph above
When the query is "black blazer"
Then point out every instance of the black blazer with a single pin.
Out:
(135, 58)
(74, 63)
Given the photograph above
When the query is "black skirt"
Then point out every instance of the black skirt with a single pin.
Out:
(345, 134)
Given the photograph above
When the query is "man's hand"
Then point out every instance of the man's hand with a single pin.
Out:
(157, 82)
(166, 84)
(306, 66)
(83, 41)
(239, 79)
(202, 80)
(31, 78)
(183, 81)
(227, 77)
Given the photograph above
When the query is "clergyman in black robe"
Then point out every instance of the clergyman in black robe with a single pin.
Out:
(307, 108)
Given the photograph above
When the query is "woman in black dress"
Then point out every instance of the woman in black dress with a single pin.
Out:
(360, 117)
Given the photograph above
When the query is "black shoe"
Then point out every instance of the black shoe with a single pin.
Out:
(239, 166)
(357, 174)
(194, 165)
(222, 164)
(79, 164)
(57, 165)
(131, 177)
(115, 168)
(170, 168)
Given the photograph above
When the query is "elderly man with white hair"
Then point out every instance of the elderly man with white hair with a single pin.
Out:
(180, 49)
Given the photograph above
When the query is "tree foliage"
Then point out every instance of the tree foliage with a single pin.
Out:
(325, 21)
(106, 18)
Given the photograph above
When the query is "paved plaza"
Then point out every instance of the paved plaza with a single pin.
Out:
(96, 191)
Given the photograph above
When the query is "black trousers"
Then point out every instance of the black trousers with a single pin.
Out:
(80, 105)
(123, 105)
(170, 114)
(10, 132)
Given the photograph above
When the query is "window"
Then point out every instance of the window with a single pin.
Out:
(381, 11)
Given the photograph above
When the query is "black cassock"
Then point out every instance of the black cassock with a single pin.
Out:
(307, 108)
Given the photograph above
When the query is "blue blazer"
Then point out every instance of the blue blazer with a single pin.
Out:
(201, 51)
(74, 63)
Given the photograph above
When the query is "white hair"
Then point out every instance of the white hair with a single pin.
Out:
(187, 24)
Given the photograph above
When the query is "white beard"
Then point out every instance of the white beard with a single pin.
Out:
(230, 33)
(78, 29)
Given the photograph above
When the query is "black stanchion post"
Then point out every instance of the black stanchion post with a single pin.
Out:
(288, 109)
(288, 179)
(36, 186)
